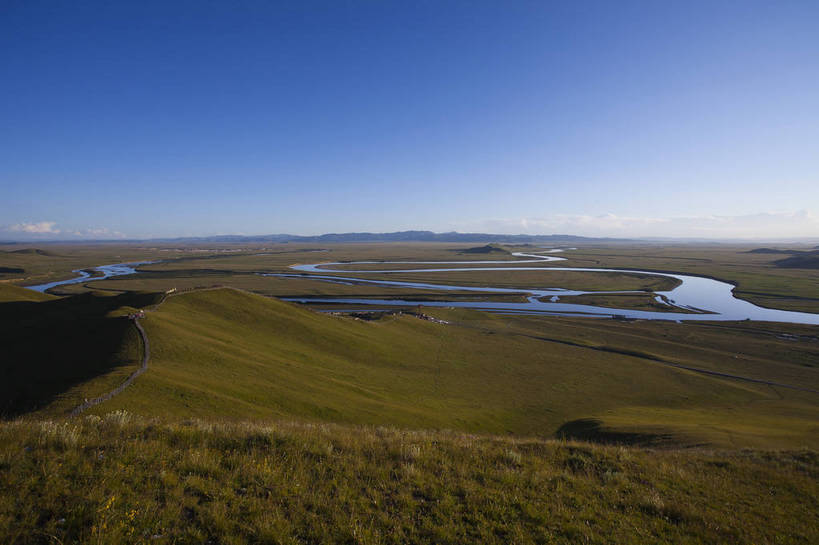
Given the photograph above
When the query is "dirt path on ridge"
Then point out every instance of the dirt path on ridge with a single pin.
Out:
(146, 354)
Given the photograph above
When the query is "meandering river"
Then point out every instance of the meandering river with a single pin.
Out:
(702, 298)
(117, 269)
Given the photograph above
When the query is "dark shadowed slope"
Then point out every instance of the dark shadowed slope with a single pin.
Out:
(54, 345)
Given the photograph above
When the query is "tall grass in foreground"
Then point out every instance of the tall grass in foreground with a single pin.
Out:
(124, 479)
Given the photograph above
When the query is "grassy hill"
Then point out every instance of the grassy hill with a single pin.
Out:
(235, 355)
(802, 260)
(261, 421)
(487, 249)
(122, 479)
(12, 293)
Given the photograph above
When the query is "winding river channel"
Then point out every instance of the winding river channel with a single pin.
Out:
(702, 298)
(117, 269)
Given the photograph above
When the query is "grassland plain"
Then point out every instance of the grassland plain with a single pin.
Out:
(756, 275)
(125, 479)
(257, 425)
(757, 278)
(592, 281)
(569, 346)
(50, 262)
(638, 301)
(270, 286)
(241, 356)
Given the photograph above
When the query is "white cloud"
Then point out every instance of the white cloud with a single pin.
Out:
(43, 227)
(47, 230)
(754, 226)
(98, 232)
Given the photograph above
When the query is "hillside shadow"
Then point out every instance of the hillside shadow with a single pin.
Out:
(593, 431)
(51, 346)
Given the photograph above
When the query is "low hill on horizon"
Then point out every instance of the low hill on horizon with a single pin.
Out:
(800, 260)
(487, 249)
(397, 236)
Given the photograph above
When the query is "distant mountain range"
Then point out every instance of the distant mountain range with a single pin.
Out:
(415, 236)
(399, 236)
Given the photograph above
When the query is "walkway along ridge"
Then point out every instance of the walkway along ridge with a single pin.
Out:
(146, 354)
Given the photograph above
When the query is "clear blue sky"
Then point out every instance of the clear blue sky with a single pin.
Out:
(195, 118)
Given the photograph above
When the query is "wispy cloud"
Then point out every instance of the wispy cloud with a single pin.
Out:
(48, 230)
(758, 226)
(43, 227)
(98, 232)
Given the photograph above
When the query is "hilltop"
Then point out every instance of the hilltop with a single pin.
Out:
(10, 293)
(487, 249)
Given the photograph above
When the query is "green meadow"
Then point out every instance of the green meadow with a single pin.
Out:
(260, 420)
(120, 478)
(236, 355)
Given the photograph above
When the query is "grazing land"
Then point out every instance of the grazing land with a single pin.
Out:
(428, 424)
(126, 479)
(757, 276)
(639, 301)
(238, 355)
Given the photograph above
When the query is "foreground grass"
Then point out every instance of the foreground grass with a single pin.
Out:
(123, 479)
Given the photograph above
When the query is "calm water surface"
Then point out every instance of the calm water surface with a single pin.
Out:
(709, 299)
(704, 298)
(117, 269)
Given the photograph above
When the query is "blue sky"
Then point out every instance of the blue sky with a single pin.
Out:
(144, 119)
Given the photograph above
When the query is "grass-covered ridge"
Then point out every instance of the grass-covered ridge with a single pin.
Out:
(235, 355)
(10, 293)
(123, 479)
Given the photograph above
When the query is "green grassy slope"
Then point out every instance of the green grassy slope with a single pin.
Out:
(124, 480)
(10, 292)
(236, 355)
